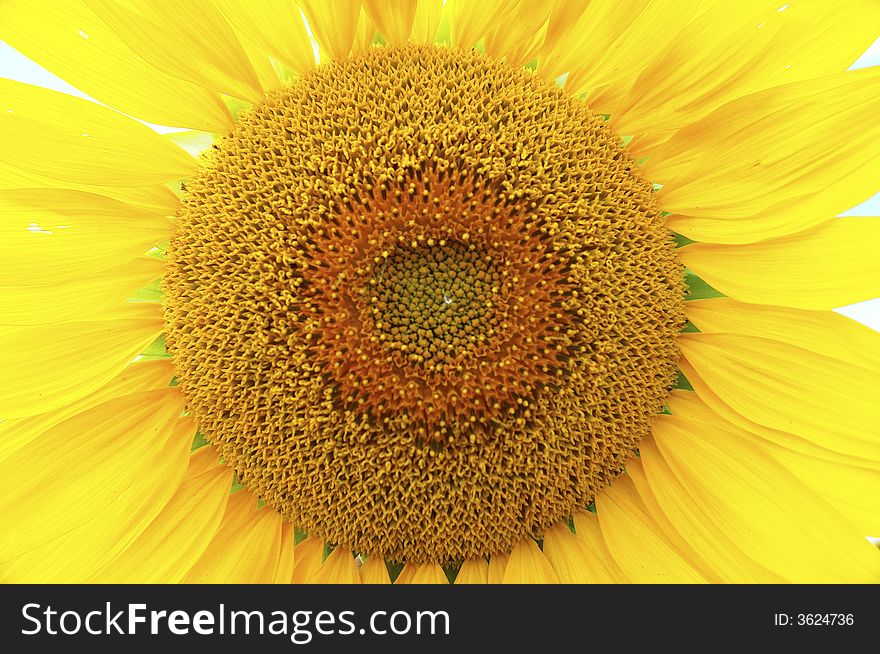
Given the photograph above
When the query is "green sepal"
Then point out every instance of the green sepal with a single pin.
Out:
(152, 292)
(698, 289)
(156, 350)
(682, 383)
(199, 441)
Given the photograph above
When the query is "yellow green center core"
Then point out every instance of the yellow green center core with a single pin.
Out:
(422, 303)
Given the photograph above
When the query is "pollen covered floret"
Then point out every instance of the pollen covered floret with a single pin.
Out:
(423, 303)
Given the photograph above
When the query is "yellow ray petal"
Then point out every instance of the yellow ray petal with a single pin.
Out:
(374, 571)
(180, 534)
(246, 548)
(581, 558)
(160, 200)
(338, 568)
(307, 559)
(284, 573)
(848, 483)
(75, 555)
(422, 573)
(774, 162)
(817, 443)
(79, 299)
(823, 268)
(608, 41)
(77, 46)
(497, 565)
(471, 21)
(74, 140)
(364, 33)
(853, 491)
(134, 378)
(728, 51)
(105, 451)
(785, 387)
(512, 38)
(334, 24)
(276, 27)
(394, 18)
(426, 21)
(473, 572)
(732, 488)
(56, 235)
(268, 75)
(528, 565)
(47, 367)
(151, 375)
(823, 332)
(198, 45)
(690, 524)
(636, 541)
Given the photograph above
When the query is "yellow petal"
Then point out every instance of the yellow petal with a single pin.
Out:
(636, 541)
(497, 565)
(276, 27)
(608, 40)
(268, 74)
(364, 33)
(77, 468)
(521, 26)
(730, 50)
(785, 387)
(473, 572)
(774, 162)
(79, 299)
(56, 235)
(374, 571)
(426, 21)
(191, 41)
(246, 548)
(690, 524)
(77, 46)
(307, 559)
(151, 375)
(823, 332)
(528, 565)
(160, 200)
(471, 21)
(815, 443)
(338, 568)
(284, 572)
(823, 268)
(393, 18)
(422, 573)
(582, 557)
(134, 378)
(732, 488)
(180, 534)
(853, 491)
(74, 140)
(49, 366)
(334, 24)
(77, 554)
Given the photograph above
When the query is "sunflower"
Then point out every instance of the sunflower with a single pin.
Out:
(499, 291)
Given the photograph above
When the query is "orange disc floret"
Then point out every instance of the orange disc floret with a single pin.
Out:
(423, 303)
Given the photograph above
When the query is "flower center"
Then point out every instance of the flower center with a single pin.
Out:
(432, 303)
(423, 303)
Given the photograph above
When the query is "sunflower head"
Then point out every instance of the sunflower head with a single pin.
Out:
(423, 283)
